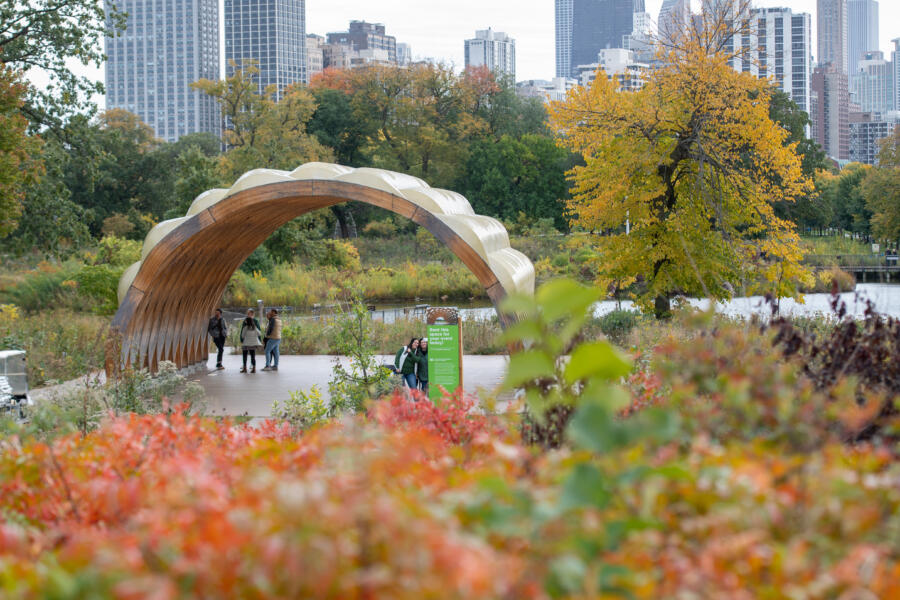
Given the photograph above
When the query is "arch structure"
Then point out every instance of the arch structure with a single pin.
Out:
(166, 298)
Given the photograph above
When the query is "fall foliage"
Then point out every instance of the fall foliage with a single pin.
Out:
(694, 163)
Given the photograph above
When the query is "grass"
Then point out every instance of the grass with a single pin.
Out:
(292, 285)
(833, 245)
(61, 344)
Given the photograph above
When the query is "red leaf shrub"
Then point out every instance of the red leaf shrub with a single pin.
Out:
(453, 419)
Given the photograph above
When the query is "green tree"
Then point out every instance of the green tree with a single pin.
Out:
(507, 176)
(109, 172)
(694, 164)
(881, 189)
(195, 172)
(335, 126)
(45, 34)
(20, 164)
(844, 192)
(260, 132)
(51, 222)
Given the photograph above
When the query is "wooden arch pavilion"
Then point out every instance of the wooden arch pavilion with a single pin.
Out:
(166, 298)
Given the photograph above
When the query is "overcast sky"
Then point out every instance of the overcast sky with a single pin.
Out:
(437, 28)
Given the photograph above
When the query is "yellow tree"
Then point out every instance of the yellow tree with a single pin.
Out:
(695, 165)
(260, 132)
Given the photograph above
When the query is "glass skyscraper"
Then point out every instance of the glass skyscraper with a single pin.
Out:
(273, 34)
(166, 46)
(584, 27)
(862, 30)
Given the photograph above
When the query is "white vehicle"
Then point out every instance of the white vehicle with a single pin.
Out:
(14, 398)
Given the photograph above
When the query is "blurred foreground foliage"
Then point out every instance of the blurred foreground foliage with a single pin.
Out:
(717, 469)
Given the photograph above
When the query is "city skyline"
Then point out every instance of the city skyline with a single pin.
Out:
(533, 30)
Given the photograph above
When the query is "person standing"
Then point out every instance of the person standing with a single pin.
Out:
(422, 367)
(218, 331)
(272, 341)
(406, 361)
(250, 339)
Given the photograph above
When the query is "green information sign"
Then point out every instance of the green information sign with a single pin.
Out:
(443, 359)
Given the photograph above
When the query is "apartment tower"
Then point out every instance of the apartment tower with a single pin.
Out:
(270, 33)
(166, 46)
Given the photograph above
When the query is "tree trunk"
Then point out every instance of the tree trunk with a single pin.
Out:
(662, 308)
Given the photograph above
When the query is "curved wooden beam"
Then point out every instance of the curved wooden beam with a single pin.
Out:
(167, 298)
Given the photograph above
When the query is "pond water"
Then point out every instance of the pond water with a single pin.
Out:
(886, 298)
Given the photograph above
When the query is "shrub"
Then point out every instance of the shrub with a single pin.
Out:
(117, 251)
(259, 261)
(454, 419)
(861, 356)
(304, 409)
(380, 229)
(340, 254)
(117, 225)
(617, 324)
(99, 283)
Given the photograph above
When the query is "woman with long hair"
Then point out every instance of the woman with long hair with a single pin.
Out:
(422, 371)
(406, 362)
(250, 339)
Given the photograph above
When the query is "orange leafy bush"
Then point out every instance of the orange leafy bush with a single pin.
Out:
(419, 501)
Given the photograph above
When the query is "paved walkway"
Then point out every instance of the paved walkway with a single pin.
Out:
(229, 392)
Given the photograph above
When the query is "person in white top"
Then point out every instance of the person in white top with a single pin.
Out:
(250, 339)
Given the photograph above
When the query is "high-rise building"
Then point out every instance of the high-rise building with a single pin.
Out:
(866, 131)
(743, 43)
(166, 46)
(271, 33)
(404, 55)
(366, 36)
(862, 30)
(599, 24)
(833, 34)
(831, 112)
(492, 49)
(315, 54)
(785, 45)
(895, 62)
(563, 11)
(549, 91)
(872, 85)
(674, 16)
(619, 65)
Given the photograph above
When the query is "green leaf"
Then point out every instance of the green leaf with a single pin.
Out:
(596, 359)
(585, 487)
(522, 331)
(567, 574)
(594, 427)
(518, 304)
(528, 366)
(562, 297)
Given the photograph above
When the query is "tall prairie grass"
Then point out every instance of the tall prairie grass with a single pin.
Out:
(293, 285)
(60, 344)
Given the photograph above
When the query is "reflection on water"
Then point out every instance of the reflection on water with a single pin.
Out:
(886, 298)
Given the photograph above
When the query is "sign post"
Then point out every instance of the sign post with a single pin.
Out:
(444, 351)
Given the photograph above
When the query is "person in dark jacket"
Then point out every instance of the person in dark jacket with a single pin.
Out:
(218, 331)
(406, 362)
(422, 367)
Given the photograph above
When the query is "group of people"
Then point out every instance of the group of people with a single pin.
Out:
(251, 338)
(411, 363)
